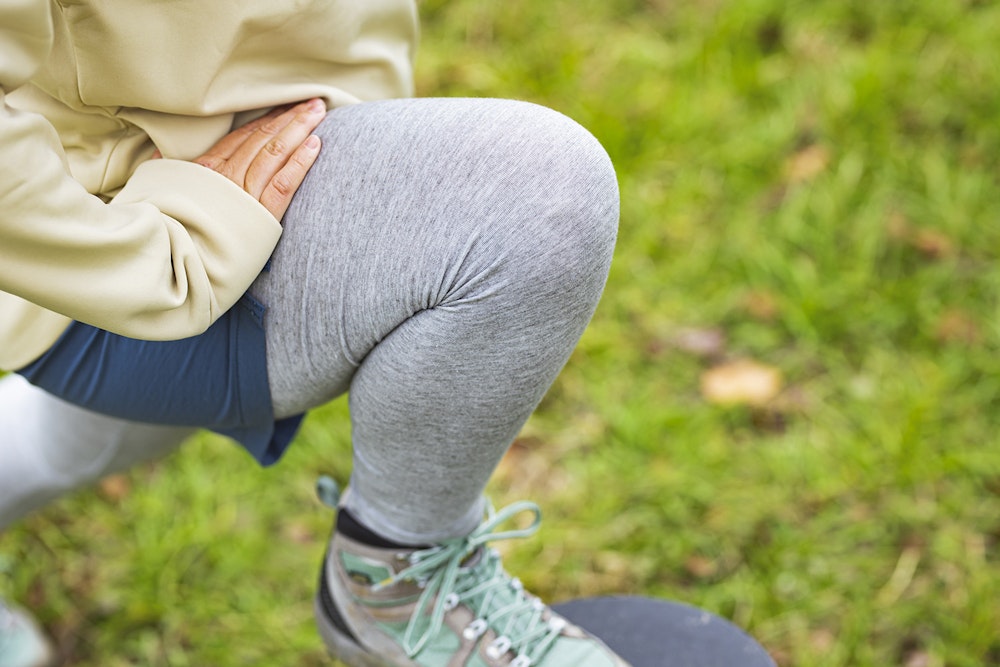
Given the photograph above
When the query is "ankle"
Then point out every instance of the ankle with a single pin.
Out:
(349, 526)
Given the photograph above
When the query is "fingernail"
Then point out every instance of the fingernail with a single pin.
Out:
(317, 105)
(312, 141)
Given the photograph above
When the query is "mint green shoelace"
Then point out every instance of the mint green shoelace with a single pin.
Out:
(497, 600)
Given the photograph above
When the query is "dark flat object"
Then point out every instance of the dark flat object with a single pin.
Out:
(658, 633)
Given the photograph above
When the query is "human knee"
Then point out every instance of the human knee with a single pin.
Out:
(504, 160)
(570, 178)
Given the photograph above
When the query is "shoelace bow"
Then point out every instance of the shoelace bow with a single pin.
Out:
(497, 600)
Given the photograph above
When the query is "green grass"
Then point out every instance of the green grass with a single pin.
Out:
(816, 183)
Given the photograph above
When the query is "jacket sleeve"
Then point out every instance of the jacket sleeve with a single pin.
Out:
(167, 256)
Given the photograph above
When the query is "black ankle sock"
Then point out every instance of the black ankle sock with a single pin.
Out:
(354, 529)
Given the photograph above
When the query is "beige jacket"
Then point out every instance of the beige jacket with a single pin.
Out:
(90, 228)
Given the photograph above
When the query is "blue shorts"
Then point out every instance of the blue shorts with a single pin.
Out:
(217, 380)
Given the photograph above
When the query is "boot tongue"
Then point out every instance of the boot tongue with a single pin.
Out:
(478, 567)
(473, 559)
(483, 565)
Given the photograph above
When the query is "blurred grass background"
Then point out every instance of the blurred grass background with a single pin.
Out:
(808, 190)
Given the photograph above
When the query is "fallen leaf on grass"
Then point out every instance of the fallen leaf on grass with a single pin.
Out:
(741, 382)
(761, 304)
(299, 532)
(701, 342)
(115, 488)
(781, 656)
(700, 567)
(917, 659)
(933, 244)
(957, 326)
(822, 639)
(807, 163)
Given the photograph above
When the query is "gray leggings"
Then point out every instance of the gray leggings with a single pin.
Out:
(439, 264)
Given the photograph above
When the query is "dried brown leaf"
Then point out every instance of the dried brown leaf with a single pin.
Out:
(115, 488)
(701, 342)
(741, 382)
(932, 243)
(700, 567)
(299, 532)
(917, 659)
(822, 639)
(761, 304)
(807, 164)
(957, 326)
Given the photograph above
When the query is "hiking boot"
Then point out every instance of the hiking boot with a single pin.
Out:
(21, 642)
(447, 605)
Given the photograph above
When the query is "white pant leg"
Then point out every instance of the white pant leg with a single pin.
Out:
(49, 447)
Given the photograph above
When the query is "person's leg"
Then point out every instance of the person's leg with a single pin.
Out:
(440, 261)
(49, 447)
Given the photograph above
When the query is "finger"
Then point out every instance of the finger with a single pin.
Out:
(224, 148)
(278, 193)
(213, 162)
(278, 149)
(261, 133)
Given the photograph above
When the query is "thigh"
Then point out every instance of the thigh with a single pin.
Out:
(412, 205)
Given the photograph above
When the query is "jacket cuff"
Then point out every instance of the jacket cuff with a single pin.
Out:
(233, 232)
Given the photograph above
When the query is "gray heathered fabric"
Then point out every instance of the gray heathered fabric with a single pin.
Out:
(439, 263)
(49, 447)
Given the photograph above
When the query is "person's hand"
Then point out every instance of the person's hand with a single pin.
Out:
(270, 156)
